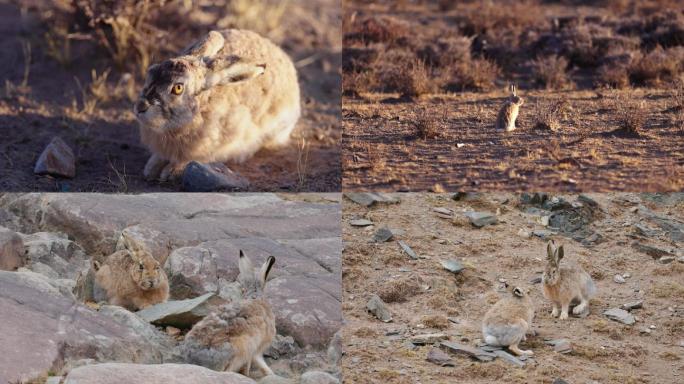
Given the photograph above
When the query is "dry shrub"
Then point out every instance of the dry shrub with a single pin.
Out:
(631, 115)
(550, 72)
(668, 289)
(435, 321)
(354, 83)
(427, 126)
(409, 77)
(613, 76)
(551, 113)
(397, 291)
(446, 52)
(477, 74)
(383, 29)
(657, 67)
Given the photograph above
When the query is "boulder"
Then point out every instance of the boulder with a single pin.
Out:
(57, 159)
(11, 250)
(116, 373)
(180, 314)
(55, 250)
(318, 377)
(368, 199)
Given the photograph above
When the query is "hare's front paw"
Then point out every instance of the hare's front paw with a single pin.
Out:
(154, 167)
(172, 171)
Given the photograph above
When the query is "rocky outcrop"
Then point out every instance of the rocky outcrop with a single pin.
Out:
(113, 373)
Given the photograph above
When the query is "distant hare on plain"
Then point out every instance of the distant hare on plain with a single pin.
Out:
(509, 111)
(132, 278)
(222, 99)
(236, 335)
(507, 322)
(565, 285)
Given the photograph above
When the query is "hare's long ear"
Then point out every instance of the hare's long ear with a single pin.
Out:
(550, 251)
(221, 71)
(559, 253)
(514, 89)
(265, 270)
(246, 268)
(518, 292)
(207, 47)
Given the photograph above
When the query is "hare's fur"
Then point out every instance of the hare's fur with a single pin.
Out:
(133, 279)
(509, 112)
(241, 93)
(565, 285)
(507, 322)
(236, 336)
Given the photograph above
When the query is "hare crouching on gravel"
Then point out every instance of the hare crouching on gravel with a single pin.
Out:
(564, 286)
(507, 322)
(509, 112)
(222, 99)
(132, 278)
(237, 335)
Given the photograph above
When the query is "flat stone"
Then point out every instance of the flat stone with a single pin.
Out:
(620, 315)
(360, 223)
(666, 259)
(587, 200)
(116, 373)
(632, 305)
(318, 377)
(57, 159)
(461, 349)
(442, 211)
(560, 345)
(368, 199)
(480, 219)
(379, 309)
(453, 266)
(439, 357)
(543, 234)
(428, 338)
(536, 280)
(275, 379)
(652, 251)
(200, 177)
(11, 250)
(408, 250)
(382, 235)
(619, 279)
(177, 313)
(509, 358)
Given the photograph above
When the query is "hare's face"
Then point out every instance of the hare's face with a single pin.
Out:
(146, 273)
(551, 274)
(167, 100)
(517, 100)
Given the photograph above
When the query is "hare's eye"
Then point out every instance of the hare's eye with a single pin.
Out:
(141, 267)
(177, 89)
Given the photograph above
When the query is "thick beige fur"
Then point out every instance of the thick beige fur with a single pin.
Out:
(565, 285)
(507, 322)
(509, 112)
(245, 329)
(132, 278)
(240, 94)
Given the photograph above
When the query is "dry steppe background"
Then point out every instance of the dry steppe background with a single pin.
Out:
(602, 82)
(72, 69)
(636, 236)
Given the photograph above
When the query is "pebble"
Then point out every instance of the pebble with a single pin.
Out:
(382, 235)
(360, 223)
(443, 212)
(560, 345)
(57, 159)
(620, 315)
(453, 266)
(428, 338)
(369, 198)
(439, 357)
(408, 250)
(480, 219)
(619, 279)
(201, 177)
(509, 358)
(666, 259)
(379, 309)
(633, 305)
(461, 349)
(524, 233)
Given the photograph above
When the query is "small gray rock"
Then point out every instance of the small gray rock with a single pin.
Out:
(619, 279)
(472, 352)
(360, 223)
(453, 266)
(369, 198)
(666, 259)
(632, 305)
(536, 280)
(57, 159)
(179, 314)
(408, 250)
(480, 219)
(442, 211)
(318, 377)
(620, 315)
(437, 356)
(543, 234)
(200, 177)
(428, 338)
(379, 309)
(382, 235)
(560, 381)
(509, 358)
(652, 251)
(560, 345)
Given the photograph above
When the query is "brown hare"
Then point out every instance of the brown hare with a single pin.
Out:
(565, 285)
(505, 121)
(507, 322)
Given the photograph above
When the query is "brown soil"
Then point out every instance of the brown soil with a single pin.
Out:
(605, 351)
(110, 157)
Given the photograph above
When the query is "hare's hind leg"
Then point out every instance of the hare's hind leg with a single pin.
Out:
(153, 167)
(515, 349)
(579, 309)
(246, 369)
(259, 361)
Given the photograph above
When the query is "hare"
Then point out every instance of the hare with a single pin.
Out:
(507, 322)
(509, 112)
(236, 336)
(221, 99)
(567, 285)
(132, 278)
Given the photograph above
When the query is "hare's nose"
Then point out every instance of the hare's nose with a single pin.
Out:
(142, 106)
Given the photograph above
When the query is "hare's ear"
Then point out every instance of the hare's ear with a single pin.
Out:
(518, 292)
(246, 268)
(95, 265)
(514, 89)
(266, 270)
(207, 47)
(550, 251)
(559, 253)
(223, 71)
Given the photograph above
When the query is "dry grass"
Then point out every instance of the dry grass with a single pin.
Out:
(550, 72)
(435, 321)
(668, 289)
(631, 116)
(427, 126)
(551, 113)
(397, 291)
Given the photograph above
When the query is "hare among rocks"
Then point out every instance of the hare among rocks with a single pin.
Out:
(507, 322)
(222, 99)
(236, 336)
(509, 111)
(565, 285)
(132, 278)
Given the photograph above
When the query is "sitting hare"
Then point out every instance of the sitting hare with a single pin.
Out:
(507, 322)
(222, 99)
(565, 285)
(132, 278)
(509, 112)
(236, 336)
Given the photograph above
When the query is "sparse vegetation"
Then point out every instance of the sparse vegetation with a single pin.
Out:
(550, 72)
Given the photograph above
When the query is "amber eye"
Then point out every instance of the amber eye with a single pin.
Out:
(177, 89)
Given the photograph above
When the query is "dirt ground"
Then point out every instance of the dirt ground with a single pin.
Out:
(425, 298)
(412, 67)
(110, 157)
(382, 151)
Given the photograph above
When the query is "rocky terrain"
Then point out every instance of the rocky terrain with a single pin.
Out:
(56, 329)
(420, 271)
